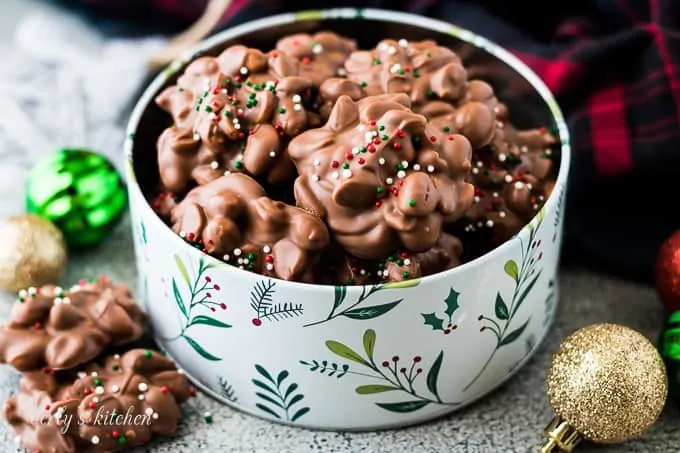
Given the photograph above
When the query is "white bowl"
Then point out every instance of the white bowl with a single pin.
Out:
(352, 358)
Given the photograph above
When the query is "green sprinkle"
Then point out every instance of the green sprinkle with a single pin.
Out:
(208, 417)
(362, 149)
(312, 44)
(115, 367)
(249, 83)
(238, 85)
(208, 108)
(446, 128)
(249, 104)
(147, 353)
(228, 81)
(251, 256)
(363, 84)
(227, 113)
(400, 166)
(198, 108)
(381, 128)
(97, 382)
(122, 440)
(181, 90)
(200, 100)
(404, 274)
(381, 265)
(238, 164)
(376, 62)
(401, 72)
(379, 189)
(251, 266)
(412, 202)
(345, 165)
(252, 95)
(234, 102)
(416, 74)
(282, 110)
(400, 262)
(428, 55)
(391, 259)
(430, 93)
(384, 137)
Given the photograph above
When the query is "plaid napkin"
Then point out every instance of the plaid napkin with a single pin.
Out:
(614, 66)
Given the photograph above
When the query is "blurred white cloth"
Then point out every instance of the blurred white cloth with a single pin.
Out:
(63, 85)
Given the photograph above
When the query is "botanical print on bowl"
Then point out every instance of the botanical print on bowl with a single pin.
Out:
(262, 303)
(279, 397)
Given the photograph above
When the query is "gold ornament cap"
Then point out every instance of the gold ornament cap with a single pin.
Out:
(606, 383)
(33, 252)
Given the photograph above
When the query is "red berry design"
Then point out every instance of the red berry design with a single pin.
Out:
(216, 287)
(257, 322)
(417, 359)
(223, 306)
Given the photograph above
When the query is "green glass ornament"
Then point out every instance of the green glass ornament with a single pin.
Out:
(80, 192)
(669, 347)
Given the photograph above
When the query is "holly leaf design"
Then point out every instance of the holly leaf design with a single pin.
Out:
(208, 321)
(199, 349)
(501, 308)
(433, 374)
(182, 270)
(451, 302)
(404, 407)
(515, 334)
(345, 352)
(369, 343)
(375, 388)
(340, 294)
(371, 312)
(431, 319)
(511, 269)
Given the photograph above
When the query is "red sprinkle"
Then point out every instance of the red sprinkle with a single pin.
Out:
(164, 389)
(275, 54)
(191, 236)
(349, 155)
(238, 78)
(404, 255)
(82, 282)
(92, 404)
(378, 204)
(376, 140)
(38, 325)
(362, 160)
(306, 60)
(115, 434)
(370, 148)
(335, 164)
(241, 135)
(269, 259)
(396, 145)
(433, 138)
(451, 138)
(192, 391)
(87, 391)
(401, 133)
(371, 122)
(47, 407)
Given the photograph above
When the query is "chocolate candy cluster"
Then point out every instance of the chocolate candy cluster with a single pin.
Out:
(398, 165)
(76, 395)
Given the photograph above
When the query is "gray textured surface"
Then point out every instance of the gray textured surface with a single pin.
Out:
(510, 420)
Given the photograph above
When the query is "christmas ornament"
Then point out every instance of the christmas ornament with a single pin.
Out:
(668, 273)
(33, 252)
(607, 384)
(80, 192)
(669, 346)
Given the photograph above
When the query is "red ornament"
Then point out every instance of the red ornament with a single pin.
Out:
(668, 273)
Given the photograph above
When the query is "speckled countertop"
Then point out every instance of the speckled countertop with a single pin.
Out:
(510, 420)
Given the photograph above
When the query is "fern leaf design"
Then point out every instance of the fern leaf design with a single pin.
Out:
(286, 310)
(261, 297)
(227, 390)
(329, 369)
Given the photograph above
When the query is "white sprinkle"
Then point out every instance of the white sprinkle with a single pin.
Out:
(297, 99)
(240, 261)
(374, 133)
(389, 181)
(529, 186)
(381, 161)
(524, 149)
(243, 70)
(57, 300)
(335, 175)
(548, 152)
(270, 83)
(502, 157)
(382, 46)
(182, 234)
(297, 107)
(227, 173)
(237, 126)
(416, 167)
(148, 411)
(317, 162)
(23, 293)
(347, 173)
(479, 164)
(238, 112)
(212, 116)
(224, 91)
(269, 266)
(404, 164)
(480, 224)
(489, 223)
(501, 214)
(141, 397)
(246, 261)
(519, 185)
(155, 416)
(315, 178)
(59, 413)
(476, 199)
(403, 43)
(266, 249)
(391, 50)
(214, 165)
(496, 110)
(368, 136)
(475, 171)
(94, 374)
(395, 67)
(499, 125)
(115, 388)
(206, 82)
(17, 439)
(237, 252)
(317, 49)
(494, 194)
(196, 136)
(407, 262)
(362, 272)
(95, 399)
(508, 179)
(342, 72)
(430, 168)
(401, 174)
(99, 390)
(226, 257)
(355, 150)
(272, 154)
(81, 374)
(361, 127)
(143, 387)
(66, 300)
(535, 206)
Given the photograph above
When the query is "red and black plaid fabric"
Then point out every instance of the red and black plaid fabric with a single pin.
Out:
(614, 66)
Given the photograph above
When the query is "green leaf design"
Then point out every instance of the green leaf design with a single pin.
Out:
(345, 352)
(501, 308)
(264, 373)
(369, 343)
(402, 284)
(433, 374)
(299, 414)
(451, 302)
(182, 270)
(340, 294)
(198, 348)
(208, 321)
(281, 377)
(291, 388)
(264, 408)
(375, 388)
(511, 269)
(371, 312)
(269, 399)
(178, 299)
(297, 398)
(431, 319)
(265, 387)
(404, 407)
(526, 292)
(515, 334)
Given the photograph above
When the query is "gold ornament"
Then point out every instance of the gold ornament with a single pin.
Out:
(607, 384)
(33, 252)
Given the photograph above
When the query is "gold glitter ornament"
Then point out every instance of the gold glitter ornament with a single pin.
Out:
(607, 384)
(33, 252)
